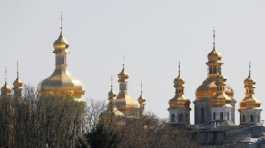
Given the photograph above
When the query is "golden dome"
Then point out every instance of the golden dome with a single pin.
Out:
(6, 90)
(18, 83)
(214, 56)
(60, 44)
(221, 98)
(61, 83)
(208, 89)
(179, 100)
(249, 101)
(125, 101)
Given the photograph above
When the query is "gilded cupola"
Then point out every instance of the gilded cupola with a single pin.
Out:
(221, 98)
(124, 102)
(6, 89)
(141, 99)
(17, 85)
(179, 100)
(111, 105)
(208, 88)
(61, 83)
(249, 101)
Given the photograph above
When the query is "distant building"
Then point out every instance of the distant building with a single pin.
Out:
(123, 106)
(215, 110)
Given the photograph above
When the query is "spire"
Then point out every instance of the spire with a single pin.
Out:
(61, 23)
(61, 43)
(179, 69)
(17, 69)
(249, 70)
(214, 38)
(141, 99)
(5, 73)
(141, 92)
(123, 63)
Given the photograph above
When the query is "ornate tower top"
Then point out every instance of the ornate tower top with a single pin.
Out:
(141, 99)
(221, 98)
(61, 83)
(179, 100)
(249, 101)
(214, 60)
(6, 90)
(17, 84)
(208, 89)
(124, 102)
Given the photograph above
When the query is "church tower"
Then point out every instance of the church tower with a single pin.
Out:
(207, 107)
(141, 100)
(6, 89)
(17, 85)
(179, 105)
(61, 83)
(250, 106)
(125, 103)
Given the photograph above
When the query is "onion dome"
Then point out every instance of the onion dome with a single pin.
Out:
(179, 100)
(208, 89)
(61, 83)
(60, 44)
(111, 105)
(249, 101)
(221, 99)
(141, 101)
(6, 90)
(214, 56)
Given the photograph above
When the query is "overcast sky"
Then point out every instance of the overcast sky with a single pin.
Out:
(152, 34)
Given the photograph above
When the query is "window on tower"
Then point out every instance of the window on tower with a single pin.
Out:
(172, 117)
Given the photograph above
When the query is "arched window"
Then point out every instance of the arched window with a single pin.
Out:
(221, 116)
(172, 117)
(202, 115)
(251, 118)
(214, 116)
(228, 116)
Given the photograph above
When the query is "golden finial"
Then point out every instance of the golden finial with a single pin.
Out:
(249, 69)
(141, 85)
(5, 73)
(214, 38)
(179, 69)
(61, 22)
(17, 69)
(123, 62)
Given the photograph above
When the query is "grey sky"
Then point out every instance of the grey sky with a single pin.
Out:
(152, 34)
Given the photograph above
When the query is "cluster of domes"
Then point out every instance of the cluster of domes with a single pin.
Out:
(7, 90)
(214, 92)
